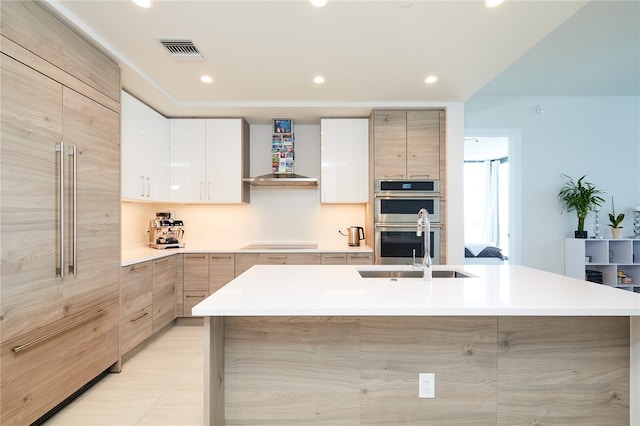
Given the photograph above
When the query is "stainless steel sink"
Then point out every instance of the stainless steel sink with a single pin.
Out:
(280, 247)
(391, 273)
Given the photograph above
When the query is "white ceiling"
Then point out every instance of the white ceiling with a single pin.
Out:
(264, 54)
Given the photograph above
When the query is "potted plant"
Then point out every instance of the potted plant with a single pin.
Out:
(615, 221)
(582, 197)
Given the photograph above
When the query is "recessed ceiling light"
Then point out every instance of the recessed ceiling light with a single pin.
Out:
(319, 3)
(142, 3)
(206, 79)
(493, 3)
(431, 79)
(318, 79)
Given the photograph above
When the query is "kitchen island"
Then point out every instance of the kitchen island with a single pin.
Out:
(508, 345)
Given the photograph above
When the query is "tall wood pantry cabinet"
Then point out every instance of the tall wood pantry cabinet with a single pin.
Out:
(60, 212)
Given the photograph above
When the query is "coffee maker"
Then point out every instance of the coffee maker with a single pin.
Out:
(165, 231)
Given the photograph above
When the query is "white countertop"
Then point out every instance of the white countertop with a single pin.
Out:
(135, 255)
(328, 290)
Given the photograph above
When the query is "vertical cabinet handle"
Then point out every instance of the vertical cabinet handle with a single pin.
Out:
(60, 150)
(201, 190)
(209, 190)
(148, 187)
(142, 186)
(74, 210)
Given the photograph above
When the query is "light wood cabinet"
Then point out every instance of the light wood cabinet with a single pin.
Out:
(31, 127)
(33, 111)
(221, 270)
(406, 144)
(145, 152)
(38, 31)
(60, 144)
(196, 272)
(136, 288)
(204, 275)
(42, 368)
(344, 160)
(136, 296)
(246, 260)
(197, 174)
(164, 292)
(359, 258)
(334, 258)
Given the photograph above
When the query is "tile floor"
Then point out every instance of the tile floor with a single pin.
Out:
(161, 385)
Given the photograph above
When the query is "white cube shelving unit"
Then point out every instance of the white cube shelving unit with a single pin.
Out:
(607, 256)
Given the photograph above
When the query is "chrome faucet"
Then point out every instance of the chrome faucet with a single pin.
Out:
(424, 227)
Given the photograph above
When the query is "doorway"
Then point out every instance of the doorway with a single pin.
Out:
(488, 198)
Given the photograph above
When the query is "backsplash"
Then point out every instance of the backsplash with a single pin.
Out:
(274, 215)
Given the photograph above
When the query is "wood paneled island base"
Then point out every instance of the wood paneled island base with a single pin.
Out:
(354, 370)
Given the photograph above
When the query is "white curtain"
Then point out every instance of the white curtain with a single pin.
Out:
(491, 205)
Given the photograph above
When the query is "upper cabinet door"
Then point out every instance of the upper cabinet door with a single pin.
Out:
(226, 151)
(145, 152)
(187, 154)
(31, 127)
(344, 160)
(390, 142)
(423, 144)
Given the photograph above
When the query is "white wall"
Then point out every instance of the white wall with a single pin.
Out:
(596, 136)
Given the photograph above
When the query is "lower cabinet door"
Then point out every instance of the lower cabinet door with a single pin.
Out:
(40, 369)
(191, 299)
(135, 328)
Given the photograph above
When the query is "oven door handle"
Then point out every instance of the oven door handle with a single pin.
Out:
(403, 225)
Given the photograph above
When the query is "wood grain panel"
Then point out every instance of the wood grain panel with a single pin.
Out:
(360, 259)
(164, 292)
(196, 272)
(300, 370)
(30, 128)
(423, 144)
(95, 130)
(135, 288)
(390, 147)
(461, 351)
(191, 299)
(563, 371)
(135, 328)
(443, 186)
(179, 284)
(38, 378)
(30, 25)
(334, 258)
(245, 261)
(221, 270)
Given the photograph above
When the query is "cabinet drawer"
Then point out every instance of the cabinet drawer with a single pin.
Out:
(196, 272)
(334, 258)
(360, 259)
(245, 261)
(135, 288)
(221, 270)
(191, 299)
(135, 328)
(40, 369)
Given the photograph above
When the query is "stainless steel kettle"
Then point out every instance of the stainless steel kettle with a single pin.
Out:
(355, 234)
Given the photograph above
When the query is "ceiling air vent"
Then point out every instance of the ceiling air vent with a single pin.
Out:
(181, 49)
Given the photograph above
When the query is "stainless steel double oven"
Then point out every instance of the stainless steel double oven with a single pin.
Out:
(396, 206)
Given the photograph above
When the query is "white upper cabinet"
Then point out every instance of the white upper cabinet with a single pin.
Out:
(145, 152)
(187, 167)
(209, 158)
(344, 160)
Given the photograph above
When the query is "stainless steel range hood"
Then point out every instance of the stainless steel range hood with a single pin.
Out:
(282, 179)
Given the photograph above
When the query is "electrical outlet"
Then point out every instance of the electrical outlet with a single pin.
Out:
(426, 385)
